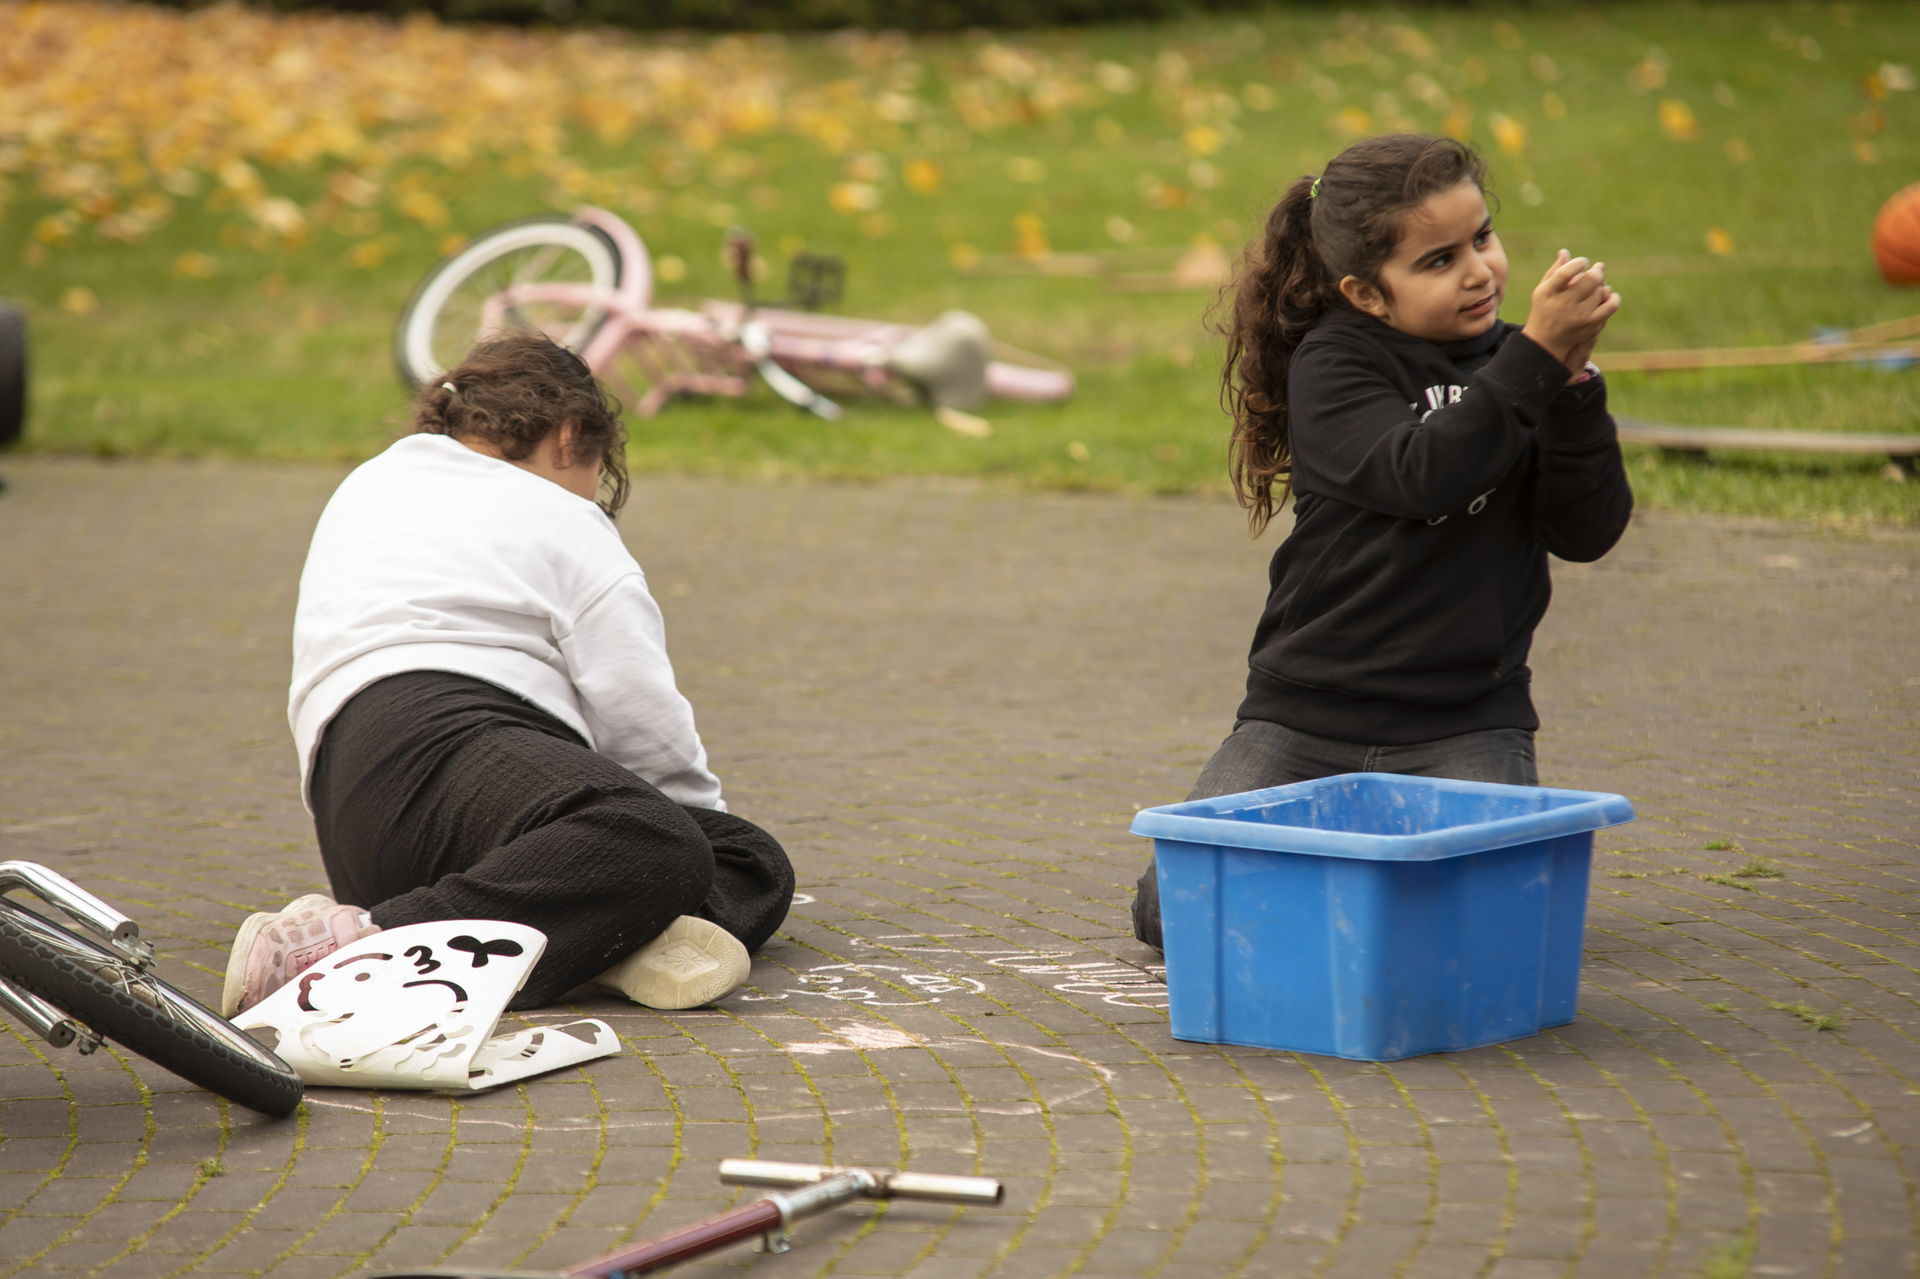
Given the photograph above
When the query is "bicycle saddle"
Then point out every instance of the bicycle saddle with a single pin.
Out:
(946, 360)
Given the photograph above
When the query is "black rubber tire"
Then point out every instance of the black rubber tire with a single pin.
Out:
(420, 318)
(174, 1031)
(13, 374)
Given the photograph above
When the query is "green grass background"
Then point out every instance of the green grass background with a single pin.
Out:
(283, 351)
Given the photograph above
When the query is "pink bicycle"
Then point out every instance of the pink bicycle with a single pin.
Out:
(587, 282)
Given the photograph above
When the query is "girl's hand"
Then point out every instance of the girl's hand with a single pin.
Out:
(1571, 304)
(1583, 350)
(1578, 357)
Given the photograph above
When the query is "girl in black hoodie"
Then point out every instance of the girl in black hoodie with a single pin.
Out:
(1435, 455)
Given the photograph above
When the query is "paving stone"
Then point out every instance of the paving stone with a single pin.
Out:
(1445, 1261)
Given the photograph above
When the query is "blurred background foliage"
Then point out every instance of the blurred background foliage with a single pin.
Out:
(213, 214)
(780, 15)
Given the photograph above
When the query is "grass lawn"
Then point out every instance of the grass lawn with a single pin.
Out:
(213, 218)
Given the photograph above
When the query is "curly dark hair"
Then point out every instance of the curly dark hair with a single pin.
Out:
(514, 390)
(1345, 222)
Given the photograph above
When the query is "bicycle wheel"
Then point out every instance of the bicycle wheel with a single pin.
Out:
(138, 1011)
(13, 373)
(447, 312)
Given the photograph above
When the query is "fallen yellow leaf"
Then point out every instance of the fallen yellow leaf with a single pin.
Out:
(426, 208)
(1677, 120)
(866, 167)
(55, 228)
(854, 197)
(1649, 73)
(1509, 134)
(1203, 139)
(922, 176)
(1030, 236)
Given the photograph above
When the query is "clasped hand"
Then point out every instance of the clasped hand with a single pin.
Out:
(1571, 305)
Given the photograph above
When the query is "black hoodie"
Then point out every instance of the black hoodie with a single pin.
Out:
(1430, 481)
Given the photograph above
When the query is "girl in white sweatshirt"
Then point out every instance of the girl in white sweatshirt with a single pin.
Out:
(486, 718)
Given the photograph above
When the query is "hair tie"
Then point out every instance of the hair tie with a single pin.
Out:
(450, 388)
(1313, 193)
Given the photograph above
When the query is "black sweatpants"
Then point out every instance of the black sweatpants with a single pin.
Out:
(438, 796)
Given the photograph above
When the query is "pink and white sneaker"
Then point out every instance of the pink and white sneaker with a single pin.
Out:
(272, 947)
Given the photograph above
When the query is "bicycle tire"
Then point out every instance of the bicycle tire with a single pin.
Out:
(438, 325)
(167, 1027)
(13, 373)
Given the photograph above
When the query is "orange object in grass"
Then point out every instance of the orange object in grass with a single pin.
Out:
(1896, 237)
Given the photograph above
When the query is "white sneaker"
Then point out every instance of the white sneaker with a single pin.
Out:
(691, 963)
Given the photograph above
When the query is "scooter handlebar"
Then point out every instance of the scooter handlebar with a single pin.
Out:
(937, 1187)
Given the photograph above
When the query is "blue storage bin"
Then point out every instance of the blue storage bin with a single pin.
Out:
(1374, 916)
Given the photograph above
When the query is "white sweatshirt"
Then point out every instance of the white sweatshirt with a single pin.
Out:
(434, 557)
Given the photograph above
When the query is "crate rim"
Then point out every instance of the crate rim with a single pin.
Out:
(1581, 811)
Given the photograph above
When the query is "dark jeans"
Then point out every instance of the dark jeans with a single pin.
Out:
(436, 796)
(1260, 753)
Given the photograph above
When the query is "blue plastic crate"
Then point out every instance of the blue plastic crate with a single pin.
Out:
(1374, 916)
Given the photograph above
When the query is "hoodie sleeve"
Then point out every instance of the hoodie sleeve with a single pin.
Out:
(1581, 498)
(616, 652)
(1356, 438)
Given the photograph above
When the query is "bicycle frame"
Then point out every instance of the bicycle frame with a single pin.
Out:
(95, 917)
(715, 349)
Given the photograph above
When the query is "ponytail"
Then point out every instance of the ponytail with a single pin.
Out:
(1344, 222)
(1281, 288)
(514, 389)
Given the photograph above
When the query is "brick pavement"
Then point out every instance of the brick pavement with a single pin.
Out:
(949, 701)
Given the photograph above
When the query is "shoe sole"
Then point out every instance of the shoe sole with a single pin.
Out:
(690, 964)
(235, 985)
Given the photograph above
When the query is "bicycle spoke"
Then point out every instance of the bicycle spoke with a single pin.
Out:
(135, 981)
(121, 973)
(464, 313)
(486, 285)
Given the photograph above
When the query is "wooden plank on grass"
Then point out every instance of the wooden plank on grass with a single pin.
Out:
(1903, 449)
(1733, 357)
(1869, 343)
